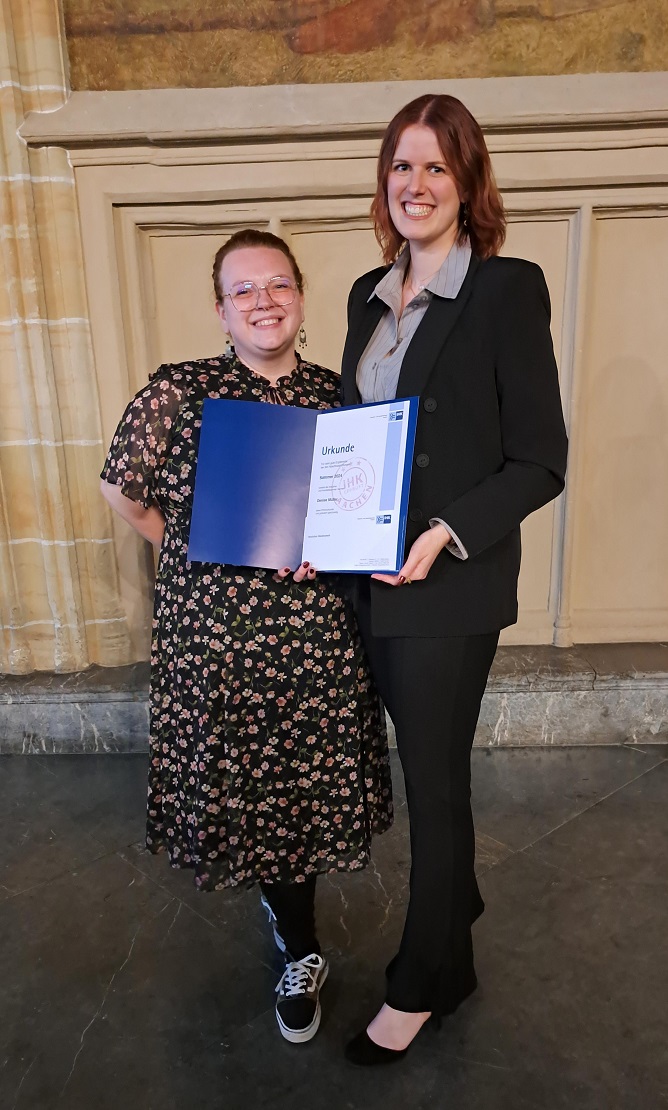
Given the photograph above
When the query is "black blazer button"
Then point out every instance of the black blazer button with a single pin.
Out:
(422, 460)
(415, 514)
(430, 404)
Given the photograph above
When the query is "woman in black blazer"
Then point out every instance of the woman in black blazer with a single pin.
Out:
(467, 331)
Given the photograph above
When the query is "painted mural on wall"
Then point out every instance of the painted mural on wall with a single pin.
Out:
(131, 44)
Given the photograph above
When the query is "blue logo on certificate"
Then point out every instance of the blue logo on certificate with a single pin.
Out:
(396, 414)
(384, 518)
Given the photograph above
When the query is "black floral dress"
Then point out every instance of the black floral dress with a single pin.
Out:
(269, 754)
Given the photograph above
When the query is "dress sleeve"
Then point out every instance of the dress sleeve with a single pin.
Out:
(142, 440)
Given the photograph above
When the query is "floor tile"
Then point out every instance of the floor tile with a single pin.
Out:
(572, 981)
(121, 986)
(39, 841)
(659, 751)
(489, 852)
(520, 794)
(104, 795)
(110, 987)
(624, 837)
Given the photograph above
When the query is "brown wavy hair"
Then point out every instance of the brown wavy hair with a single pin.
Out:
(481, 216)
(252, 237)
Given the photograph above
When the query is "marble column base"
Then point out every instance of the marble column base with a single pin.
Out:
(101, 709)
(536, 696)
(589, 694)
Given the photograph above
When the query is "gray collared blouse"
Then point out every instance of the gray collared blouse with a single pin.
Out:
(380, 365)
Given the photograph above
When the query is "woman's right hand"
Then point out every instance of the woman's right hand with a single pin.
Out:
(305, 570)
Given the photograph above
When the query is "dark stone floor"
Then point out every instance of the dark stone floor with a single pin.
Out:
(121, 988)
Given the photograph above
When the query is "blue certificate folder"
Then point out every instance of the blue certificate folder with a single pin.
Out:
(264, 498)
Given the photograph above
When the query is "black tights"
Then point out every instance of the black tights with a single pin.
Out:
(293, 905)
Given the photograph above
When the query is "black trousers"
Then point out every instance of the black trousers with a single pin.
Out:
(432, 688)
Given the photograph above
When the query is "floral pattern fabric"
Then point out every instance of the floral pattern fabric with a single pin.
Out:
(269, 754)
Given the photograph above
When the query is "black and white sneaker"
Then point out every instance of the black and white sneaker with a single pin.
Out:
(298, 1003)
(280, 943)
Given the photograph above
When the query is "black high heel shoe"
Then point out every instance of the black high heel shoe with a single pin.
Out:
(364, 1052)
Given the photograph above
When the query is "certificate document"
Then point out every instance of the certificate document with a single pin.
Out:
(277, 485)
(358, 494)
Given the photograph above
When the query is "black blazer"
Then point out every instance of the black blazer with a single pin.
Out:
(491, 443)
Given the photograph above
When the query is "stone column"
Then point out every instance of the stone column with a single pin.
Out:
(59, 599)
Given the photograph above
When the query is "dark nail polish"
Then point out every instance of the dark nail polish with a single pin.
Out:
(401, 579)
(306, 565)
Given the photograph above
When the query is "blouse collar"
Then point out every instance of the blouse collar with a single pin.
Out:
(446, 282)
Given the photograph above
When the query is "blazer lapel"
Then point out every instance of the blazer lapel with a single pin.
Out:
(431, 336)
(360, 331)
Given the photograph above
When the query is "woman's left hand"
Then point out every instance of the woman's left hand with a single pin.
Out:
(420, 557)
(305, 570)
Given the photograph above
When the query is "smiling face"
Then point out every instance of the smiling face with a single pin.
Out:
(422, 195)
(266, 333)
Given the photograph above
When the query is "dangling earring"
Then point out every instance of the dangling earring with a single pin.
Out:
(229, 349)
(302, 337)
(464, 213)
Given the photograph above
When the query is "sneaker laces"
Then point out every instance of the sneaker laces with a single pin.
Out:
(296, 976)
(280, 943)
(270, 913)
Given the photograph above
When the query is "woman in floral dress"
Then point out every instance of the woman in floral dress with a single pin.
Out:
(269, 757)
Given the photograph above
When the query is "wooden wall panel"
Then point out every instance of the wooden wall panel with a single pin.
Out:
(620, 574)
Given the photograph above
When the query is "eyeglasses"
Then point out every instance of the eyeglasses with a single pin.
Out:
(245, 295)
